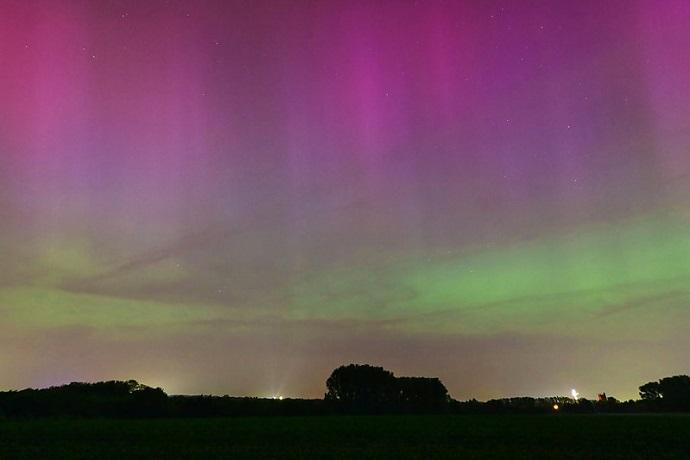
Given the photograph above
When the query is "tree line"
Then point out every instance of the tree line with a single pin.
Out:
(351, 389)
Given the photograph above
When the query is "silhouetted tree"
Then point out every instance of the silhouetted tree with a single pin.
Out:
(362, 387)
(650, 391)
(670, 393)
(101, 399)
(149, 402)
(422, 393)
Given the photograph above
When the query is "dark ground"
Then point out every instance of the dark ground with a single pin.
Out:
(366, 437)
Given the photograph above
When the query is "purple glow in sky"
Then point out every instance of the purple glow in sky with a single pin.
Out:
(237, 197)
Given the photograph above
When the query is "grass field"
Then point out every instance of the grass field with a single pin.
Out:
(401, 437)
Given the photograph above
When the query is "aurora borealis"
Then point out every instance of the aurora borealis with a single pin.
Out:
(237, 197)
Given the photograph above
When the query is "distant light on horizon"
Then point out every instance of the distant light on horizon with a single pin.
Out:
(575, 394)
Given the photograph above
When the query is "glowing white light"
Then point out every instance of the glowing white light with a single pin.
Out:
(555, 407)
(575, 394)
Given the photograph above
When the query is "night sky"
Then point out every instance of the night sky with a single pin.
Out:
(238, 197)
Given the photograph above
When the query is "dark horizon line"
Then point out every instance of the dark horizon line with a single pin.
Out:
(277, 397)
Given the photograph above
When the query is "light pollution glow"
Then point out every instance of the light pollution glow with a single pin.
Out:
(237, 197)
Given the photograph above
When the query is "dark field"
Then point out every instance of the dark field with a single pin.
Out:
(476, 436)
